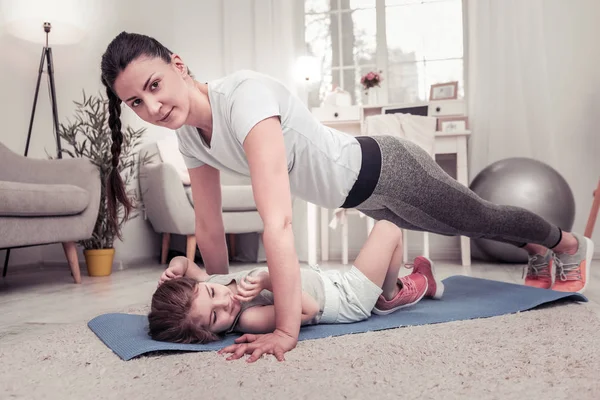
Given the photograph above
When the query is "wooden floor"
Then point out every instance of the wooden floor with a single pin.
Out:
(36, 297)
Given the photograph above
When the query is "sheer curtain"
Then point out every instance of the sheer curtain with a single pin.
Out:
(534, 88)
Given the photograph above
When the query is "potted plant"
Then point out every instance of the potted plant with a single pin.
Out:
(89, 136)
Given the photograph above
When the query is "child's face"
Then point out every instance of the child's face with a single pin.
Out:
(214, 307)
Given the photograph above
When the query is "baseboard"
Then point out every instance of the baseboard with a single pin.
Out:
(119, 265)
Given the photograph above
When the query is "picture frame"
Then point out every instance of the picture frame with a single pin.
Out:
(444, 91)
(453, 124)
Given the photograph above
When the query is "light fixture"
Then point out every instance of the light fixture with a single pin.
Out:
(308, 69)
(69, 19)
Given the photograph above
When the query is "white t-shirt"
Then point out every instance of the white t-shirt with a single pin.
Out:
(323, 163)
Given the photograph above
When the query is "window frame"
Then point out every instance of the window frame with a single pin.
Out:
(381, 52)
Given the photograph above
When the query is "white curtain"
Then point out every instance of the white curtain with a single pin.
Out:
(262, 35)
(534, 87)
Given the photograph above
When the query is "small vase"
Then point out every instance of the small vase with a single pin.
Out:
(372, 99)
(99, 261)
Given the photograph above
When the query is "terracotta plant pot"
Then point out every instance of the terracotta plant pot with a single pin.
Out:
(99, 261)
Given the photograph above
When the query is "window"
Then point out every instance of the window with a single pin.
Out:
(413, 43)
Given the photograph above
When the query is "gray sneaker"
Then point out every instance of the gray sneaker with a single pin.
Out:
(540, 271)
(573, 271)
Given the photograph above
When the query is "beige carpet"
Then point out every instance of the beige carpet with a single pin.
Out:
(550, 353)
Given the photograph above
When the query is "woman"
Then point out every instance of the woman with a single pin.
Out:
(250, 124)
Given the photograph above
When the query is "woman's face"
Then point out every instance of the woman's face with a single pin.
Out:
(156, 91)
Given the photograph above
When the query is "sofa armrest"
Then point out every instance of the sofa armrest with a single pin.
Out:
(79, 172)
(165, 201)
(75, 171)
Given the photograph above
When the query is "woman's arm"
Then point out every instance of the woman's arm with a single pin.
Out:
(262, 319)
(265, 150)
(210, 233)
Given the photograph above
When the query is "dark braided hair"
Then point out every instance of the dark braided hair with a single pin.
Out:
(121, 51)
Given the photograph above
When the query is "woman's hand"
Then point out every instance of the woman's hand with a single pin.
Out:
(251, 286)
(276, 343)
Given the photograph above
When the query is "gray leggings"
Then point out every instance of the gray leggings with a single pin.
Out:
(414, 193)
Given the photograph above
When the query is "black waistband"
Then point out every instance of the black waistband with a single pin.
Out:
(368, 176)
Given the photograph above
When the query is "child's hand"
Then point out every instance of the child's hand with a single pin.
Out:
(176, 269)
(251, 286)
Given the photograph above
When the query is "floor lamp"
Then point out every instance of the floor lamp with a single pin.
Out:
(45, 59)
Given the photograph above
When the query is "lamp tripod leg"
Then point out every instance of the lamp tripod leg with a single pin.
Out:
(35, 97)
(53, 99)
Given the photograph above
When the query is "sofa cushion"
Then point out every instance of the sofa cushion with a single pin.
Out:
(19, 199)
(234, 197)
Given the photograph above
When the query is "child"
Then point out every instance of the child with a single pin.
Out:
(191, 306)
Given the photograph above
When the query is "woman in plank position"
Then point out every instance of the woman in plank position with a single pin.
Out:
(250, 124)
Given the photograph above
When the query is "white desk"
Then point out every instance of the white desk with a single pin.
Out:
(445, 143)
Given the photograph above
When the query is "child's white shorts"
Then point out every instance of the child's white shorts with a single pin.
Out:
(349, 296)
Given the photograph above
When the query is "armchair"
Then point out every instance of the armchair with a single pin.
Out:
(47, 201)
(167, 198)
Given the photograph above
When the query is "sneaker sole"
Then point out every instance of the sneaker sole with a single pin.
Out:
(391, 310)
(439, 285)
(589, 254)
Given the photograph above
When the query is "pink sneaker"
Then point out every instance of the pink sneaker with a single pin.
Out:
(424, 266)
(540, 271)
(414, 287)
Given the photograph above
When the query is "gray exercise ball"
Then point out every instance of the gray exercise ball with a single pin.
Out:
(526, 183)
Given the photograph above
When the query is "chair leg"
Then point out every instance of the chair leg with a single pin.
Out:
(164, 251)
(191, 247)
(345, 240)
(71, 253)
(589, 229)
(231, 246)
(6, 257)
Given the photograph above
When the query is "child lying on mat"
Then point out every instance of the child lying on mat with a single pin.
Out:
(190, 306)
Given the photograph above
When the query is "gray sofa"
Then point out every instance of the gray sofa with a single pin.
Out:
(47, 201)
(169, 207)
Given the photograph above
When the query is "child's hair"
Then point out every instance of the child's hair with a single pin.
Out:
(169, 318)
(121, 51)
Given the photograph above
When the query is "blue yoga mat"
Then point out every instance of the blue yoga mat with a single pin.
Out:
(464, 298)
